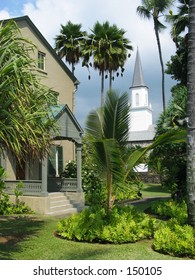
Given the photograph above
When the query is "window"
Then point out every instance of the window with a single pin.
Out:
(41, 60)
(55, 161)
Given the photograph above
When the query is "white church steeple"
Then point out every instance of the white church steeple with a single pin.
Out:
(140, 111)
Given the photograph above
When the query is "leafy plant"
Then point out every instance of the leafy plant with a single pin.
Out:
(124, 224)
(170, 209)
(18, 191)
(176, 240)
(6, 207)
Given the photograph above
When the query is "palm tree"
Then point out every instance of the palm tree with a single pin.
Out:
(154, 9)
(180, 21)
(68, 43)
(191, 116)
(119, 52)
(108, 48)
(107, 130)
(25, 120)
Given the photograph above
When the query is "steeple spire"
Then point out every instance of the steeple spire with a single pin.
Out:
(138, 78)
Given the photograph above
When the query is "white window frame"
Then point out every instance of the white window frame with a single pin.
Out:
(41, 60)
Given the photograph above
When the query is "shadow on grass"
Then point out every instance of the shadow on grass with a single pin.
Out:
(13, 230)
(90, 252)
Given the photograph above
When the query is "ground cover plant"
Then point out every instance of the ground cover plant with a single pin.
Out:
(174, 237)
(122, 225)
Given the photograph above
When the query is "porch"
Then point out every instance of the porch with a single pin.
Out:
(38, 187)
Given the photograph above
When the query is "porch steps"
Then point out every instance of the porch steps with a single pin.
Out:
(61, 205)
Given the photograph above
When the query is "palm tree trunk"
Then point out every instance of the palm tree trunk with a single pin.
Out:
(191, 122)
(102, 88)
(73, 68)
(161, 63)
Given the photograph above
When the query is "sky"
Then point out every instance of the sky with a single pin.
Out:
(48, 15)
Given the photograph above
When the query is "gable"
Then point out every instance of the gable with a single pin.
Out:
(67, 125)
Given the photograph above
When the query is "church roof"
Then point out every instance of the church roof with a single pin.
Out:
(138, 78)
(141, 136)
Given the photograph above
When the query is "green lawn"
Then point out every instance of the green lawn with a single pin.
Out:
(34, 239)
(153, 190)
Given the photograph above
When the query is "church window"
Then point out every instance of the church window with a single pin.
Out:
(137, 99)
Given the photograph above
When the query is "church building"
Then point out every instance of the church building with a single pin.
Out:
(141, 128)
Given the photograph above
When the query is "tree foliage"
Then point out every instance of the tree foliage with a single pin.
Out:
(107, 130)
(68, 44)
(108, 48)
(25, 119)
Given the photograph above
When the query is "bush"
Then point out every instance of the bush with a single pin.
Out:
(124, 224)
(176, 240)
(8, 208)
(170, 209)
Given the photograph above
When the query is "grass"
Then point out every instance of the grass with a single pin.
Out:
(154, 190)
(33, 238)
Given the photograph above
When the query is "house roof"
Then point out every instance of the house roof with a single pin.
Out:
(67, 125)
(47, 45)
(138, 77)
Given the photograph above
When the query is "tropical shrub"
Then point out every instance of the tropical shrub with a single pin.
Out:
(170, 209)
(123, 224)
(176, 240)
(7, 207)
(92, 184)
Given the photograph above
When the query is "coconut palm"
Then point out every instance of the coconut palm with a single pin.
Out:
(179, 21)
(68, 43)
(108, 48)
(154, 9)
(107, 130)
(191, 116)
(25, 121)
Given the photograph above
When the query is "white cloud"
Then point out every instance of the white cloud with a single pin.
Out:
(4, 14)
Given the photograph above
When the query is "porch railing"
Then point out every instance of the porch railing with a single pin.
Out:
(30, 187)
(62, 184)
(34, 187)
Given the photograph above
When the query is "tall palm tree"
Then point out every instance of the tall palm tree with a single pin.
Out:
(155, 9)
(25, 120)
(108, 48)
(68, 43)
(119, 53)
(107, 130)
(191, 116)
